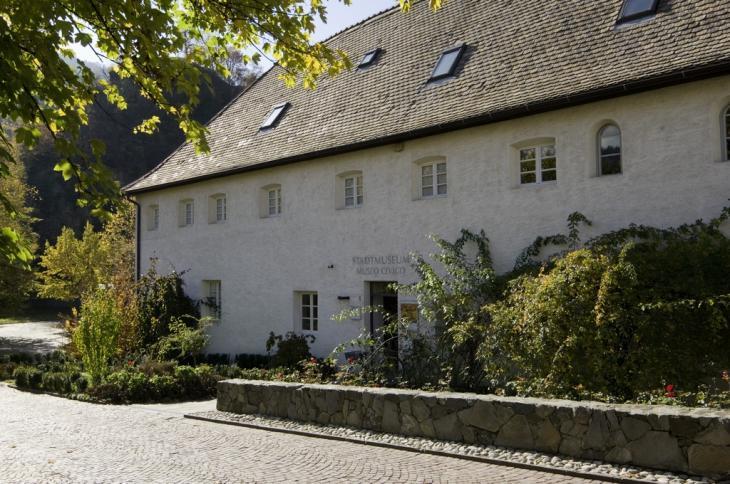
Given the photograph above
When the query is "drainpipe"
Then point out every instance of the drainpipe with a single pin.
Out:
(138, 258)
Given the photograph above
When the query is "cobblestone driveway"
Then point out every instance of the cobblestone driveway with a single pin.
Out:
(49, 439)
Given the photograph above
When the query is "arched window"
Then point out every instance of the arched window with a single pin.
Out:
(726, 132)
(609, 150)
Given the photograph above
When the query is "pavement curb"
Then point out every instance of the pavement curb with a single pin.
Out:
(486, 460)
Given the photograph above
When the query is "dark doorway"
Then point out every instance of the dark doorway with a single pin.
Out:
(384, 295)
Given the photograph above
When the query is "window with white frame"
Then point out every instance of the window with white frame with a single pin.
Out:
(186, 215)
(433, 179)
(538, 164)
(217, 212)
(153, 217)
(274, 201)
(212, 299)
(353, 192)
(609, 150)
(309, 311)
(726, 132)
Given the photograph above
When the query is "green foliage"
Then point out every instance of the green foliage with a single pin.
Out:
(97, 334)
(162, 304)
(291, 349)
(16, 278)
(73, 267)
(184, 343)
(633, 310)
(131, 385)
(128, 155)
(162, 50)
(451, 296)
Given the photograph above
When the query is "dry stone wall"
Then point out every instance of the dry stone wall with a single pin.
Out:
(660, 437)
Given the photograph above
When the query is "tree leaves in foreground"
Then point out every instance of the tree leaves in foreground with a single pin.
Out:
(160, 45)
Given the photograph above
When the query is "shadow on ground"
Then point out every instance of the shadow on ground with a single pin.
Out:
(33, 337)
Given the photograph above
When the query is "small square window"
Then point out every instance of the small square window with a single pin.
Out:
(369, 58)
(447, 63)
(635, 9)
(433, 180)
(220, 209)
(353, 191)
(309, 311)
(538, 164)
(153, 218)
(212, 299)
(186, 213)
(274, 199)
(275, 116)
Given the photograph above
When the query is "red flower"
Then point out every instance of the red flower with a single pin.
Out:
(351, 360)
(313, 360)
(726, 375)
(670, 393)
(130, 363)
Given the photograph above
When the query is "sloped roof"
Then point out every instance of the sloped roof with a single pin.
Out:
(522, 57)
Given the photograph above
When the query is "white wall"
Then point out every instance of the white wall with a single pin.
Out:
(672, 173)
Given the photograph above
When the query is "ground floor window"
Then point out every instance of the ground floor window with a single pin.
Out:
(309, 311)
(212, 299)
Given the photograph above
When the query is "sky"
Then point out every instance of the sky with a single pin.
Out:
(339, 16)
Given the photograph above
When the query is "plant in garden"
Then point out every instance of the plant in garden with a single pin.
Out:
(617, 316)
(186, 340)
(162, 301)
(291, 348)
(97, 333)
(451, 296)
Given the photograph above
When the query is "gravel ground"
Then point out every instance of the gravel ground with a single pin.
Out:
(591, 469)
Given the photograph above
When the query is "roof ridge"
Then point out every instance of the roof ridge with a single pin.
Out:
(362, 22)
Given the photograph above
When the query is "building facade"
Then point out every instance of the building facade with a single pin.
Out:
(294, 217)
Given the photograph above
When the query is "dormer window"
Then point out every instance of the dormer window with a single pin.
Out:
(369, 58)
(274, 116)
(447, 63)
(636, 9)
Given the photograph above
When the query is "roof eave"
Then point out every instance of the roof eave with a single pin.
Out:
(599, 94)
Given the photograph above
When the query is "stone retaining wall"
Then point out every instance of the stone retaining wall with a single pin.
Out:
(661, 437)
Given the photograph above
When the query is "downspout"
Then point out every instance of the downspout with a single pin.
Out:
(137, 241)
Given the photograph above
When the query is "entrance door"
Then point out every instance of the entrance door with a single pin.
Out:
(383, 295)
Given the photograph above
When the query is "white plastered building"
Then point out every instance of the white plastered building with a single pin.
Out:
(471, 117)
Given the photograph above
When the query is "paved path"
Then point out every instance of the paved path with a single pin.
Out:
(50, 439)
(35, 337)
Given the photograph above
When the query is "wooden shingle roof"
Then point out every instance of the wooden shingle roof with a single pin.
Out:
(522, 57)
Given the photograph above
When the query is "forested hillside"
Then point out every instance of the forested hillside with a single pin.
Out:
(128, 155)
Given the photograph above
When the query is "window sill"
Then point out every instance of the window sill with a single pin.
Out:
(433, 197)
(535, 186)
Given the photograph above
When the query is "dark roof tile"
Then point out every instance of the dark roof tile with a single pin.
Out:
(520, 53)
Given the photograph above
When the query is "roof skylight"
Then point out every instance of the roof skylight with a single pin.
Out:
(635, 9)
(275, 116)
(447, 63)
(369, 58)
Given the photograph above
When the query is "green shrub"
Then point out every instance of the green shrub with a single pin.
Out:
(7, 369)
(28, 377)
(57, 382)
(97, 333)
(185, 342)
(162, 301)
(246, 361)
(291, 349)
(634, 310)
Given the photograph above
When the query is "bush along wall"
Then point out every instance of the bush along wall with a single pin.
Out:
(671, 438)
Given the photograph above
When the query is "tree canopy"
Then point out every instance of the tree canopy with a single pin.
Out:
(161, 46)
